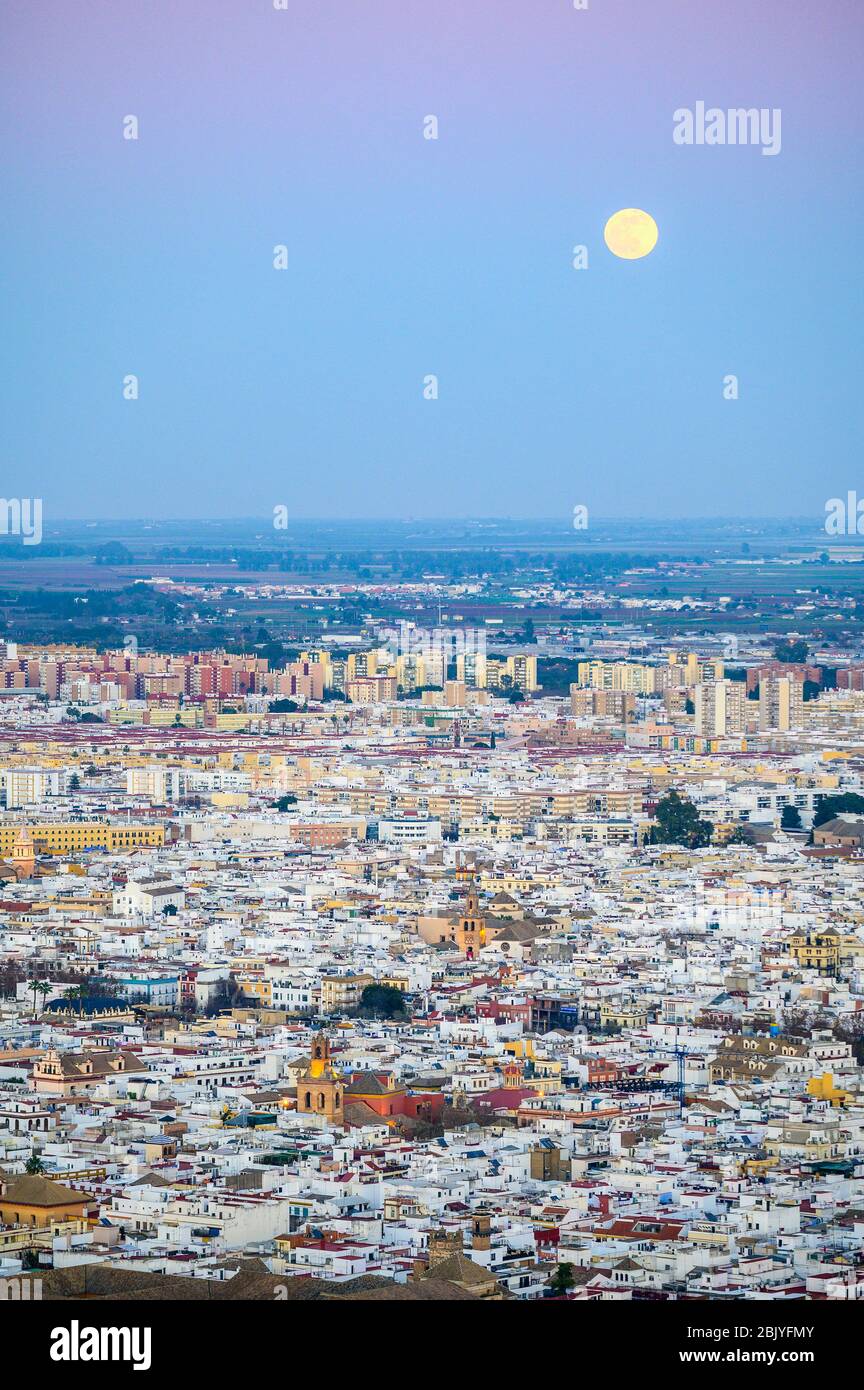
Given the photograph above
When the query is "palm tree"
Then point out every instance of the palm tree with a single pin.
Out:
(78, 992)
(38, 987)
(41, 987)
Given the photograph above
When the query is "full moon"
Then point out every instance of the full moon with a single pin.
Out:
(631, 234)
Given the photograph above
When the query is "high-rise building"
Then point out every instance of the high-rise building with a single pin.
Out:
(720, 708)
(522, 671)
(781, 703)
(617, 675)
(471, 668)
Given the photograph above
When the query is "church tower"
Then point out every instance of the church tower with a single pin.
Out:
(24, 853)
(321, 1091)
(472, 926)
(320, 1062)
(512, 1076)
(481, 1231)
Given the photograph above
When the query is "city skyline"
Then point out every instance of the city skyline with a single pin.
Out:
(431, 675)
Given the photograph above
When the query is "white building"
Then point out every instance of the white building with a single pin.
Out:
(146, 897)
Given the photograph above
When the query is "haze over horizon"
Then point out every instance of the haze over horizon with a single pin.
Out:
(491, 520)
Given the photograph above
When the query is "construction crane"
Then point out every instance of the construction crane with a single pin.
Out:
(680, 1054)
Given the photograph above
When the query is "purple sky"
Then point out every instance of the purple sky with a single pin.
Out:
(410, 257)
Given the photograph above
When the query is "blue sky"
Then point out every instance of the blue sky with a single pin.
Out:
(409, 257)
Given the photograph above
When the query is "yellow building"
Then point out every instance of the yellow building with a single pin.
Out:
(231, 722)
(400, 982)
(522, 671)
(258, 989)
(77, 1073)
(67, 837)
(31, 1199)
(622, 1015)
(817, 950)
(823, 1088)
(343, 991)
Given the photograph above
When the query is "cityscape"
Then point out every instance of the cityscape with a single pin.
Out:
(431, 680)
(492, 933)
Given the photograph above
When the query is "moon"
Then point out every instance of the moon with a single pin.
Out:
(631, 234)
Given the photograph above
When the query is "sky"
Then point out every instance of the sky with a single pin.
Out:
(407, 258)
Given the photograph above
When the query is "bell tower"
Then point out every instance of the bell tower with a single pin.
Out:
(320, 1062)
(321, 1091)
(472, 925)
(481, 1231)
(512, 1076)
(322, 1095)
(24, 853)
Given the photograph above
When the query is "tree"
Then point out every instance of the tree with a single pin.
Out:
(79, 993)
(285, 802)
(803, 1023)
(226, 995)
(74, 782)
(38, 987)
(113, 553)
(849, 1028)
(677, 822)
(741, 835)
(34, 1165)
(562, 1280)
(793, 651)
(458, 1114)
(791, 818)
(11, 976)
(827, 807)
(383, 999)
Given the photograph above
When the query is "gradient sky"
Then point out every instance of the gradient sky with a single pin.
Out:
(409, 257)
